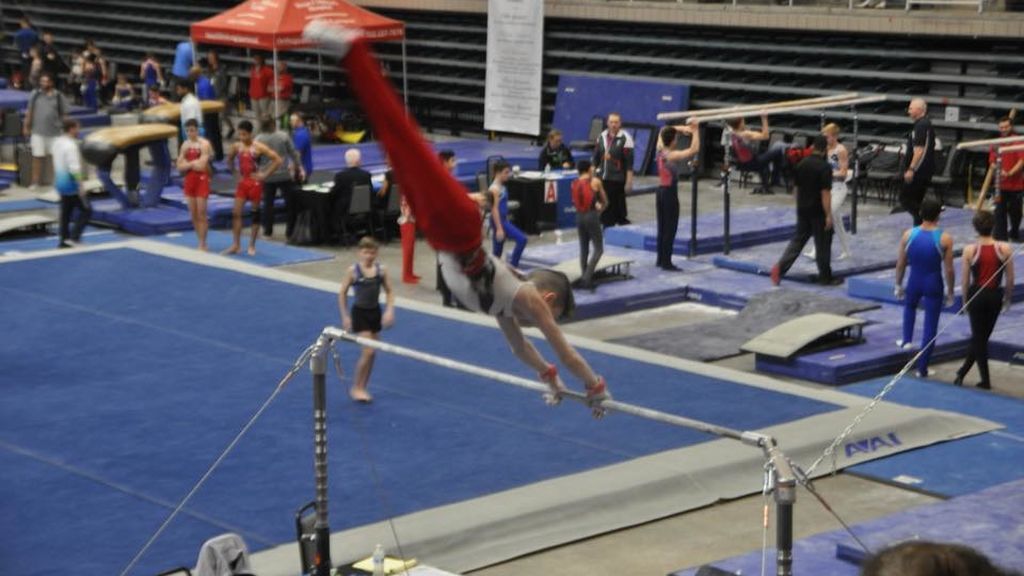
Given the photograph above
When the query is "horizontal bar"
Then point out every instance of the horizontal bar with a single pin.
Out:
(787, 110)
(1016, 148)
(989, 142)
(750, 438)
(785, 103)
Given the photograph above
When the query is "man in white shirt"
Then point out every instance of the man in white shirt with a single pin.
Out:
(191, 109)
(67, 172)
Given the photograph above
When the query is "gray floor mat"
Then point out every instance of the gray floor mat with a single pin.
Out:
(719, 339)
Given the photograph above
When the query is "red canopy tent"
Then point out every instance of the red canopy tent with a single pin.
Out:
(278, 24)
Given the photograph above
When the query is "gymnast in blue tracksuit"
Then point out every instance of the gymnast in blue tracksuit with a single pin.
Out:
(929, 253)
(501, 228)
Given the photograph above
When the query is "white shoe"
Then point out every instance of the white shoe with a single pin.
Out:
(843, 256)
(865, 4)
(812, 255)
(880, 4)
(904, 345)
(33, 188)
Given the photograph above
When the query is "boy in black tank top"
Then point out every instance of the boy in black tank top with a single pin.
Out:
(365, 318)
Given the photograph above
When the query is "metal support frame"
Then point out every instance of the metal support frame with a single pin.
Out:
(322, 531)
(691, 250)
(784, 484)
(855, 182)
(851, 99)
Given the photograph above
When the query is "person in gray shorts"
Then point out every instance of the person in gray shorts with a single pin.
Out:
(590, 200)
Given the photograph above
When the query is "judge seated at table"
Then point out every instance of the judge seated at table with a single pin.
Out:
(345, 181)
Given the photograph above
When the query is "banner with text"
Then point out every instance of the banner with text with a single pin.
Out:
(515, 58)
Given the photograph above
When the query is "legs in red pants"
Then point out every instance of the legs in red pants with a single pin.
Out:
(408, 231)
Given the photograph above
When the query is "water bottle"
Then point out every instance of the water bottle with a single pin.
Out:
(378, 561)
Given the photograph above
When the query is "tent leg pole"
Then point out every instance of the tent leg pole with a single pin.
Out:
(275, 86)
(405, 80)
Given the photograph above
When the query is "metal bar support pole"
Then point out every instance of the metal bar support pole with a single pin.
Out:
(998, 178)
(855, 183)
(785, 498)
(695, 162)
(726, 175)
(318, 365)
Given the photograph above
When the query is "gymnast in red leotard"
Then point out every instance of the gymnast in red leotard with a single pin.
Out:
(250, 183)
(194, 163)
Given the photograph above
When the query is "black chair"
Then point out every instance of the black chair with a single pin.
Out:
(388, 215)
(360, 212)
(596, 127)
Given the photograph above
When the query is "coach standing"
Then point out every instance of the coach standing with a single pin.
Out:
(920, 166)
(613, 160)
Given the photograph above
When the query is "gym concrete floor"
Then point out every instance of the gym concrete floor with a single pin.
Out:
(698, 537)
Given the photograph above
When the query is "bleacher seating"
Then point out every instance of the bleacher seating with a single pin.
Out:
(446, 59)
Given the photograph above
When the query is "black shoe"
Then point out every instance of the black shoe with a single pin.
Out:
(670, 268)
(625, 222)
(63, 245)
(959, 380)
(984, 385)
(831, 281)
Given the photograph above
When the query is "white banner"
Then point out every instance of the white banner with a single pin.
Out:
(515, 57)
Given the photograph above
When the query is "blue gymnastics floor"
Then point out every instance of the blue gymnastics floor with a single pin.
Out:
(960, 466)
(988, 521)
(126, 373)
(875, 247)
(748, 227)
(23, 205)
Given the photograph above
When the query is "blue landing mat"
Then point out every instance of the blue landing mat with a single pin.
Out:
(218, 208)
(731, 289)
(159, 219)
(49, 242)
(874, 247)
(1007, 339)
(879, 285)
(877, 356)
(178, 357)
(649, 286)
(16, 99)
(748, 227)
(24, 205)
(267, 253)
(988, 521)
(961, 466)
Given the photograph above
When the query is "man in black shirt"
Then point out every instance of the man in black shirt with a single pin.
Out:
(920, 166)
(813, 214)
(555, 154)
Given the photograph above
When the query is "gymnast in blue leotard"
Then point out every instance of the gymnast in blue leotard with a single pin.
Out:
(929, 253)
